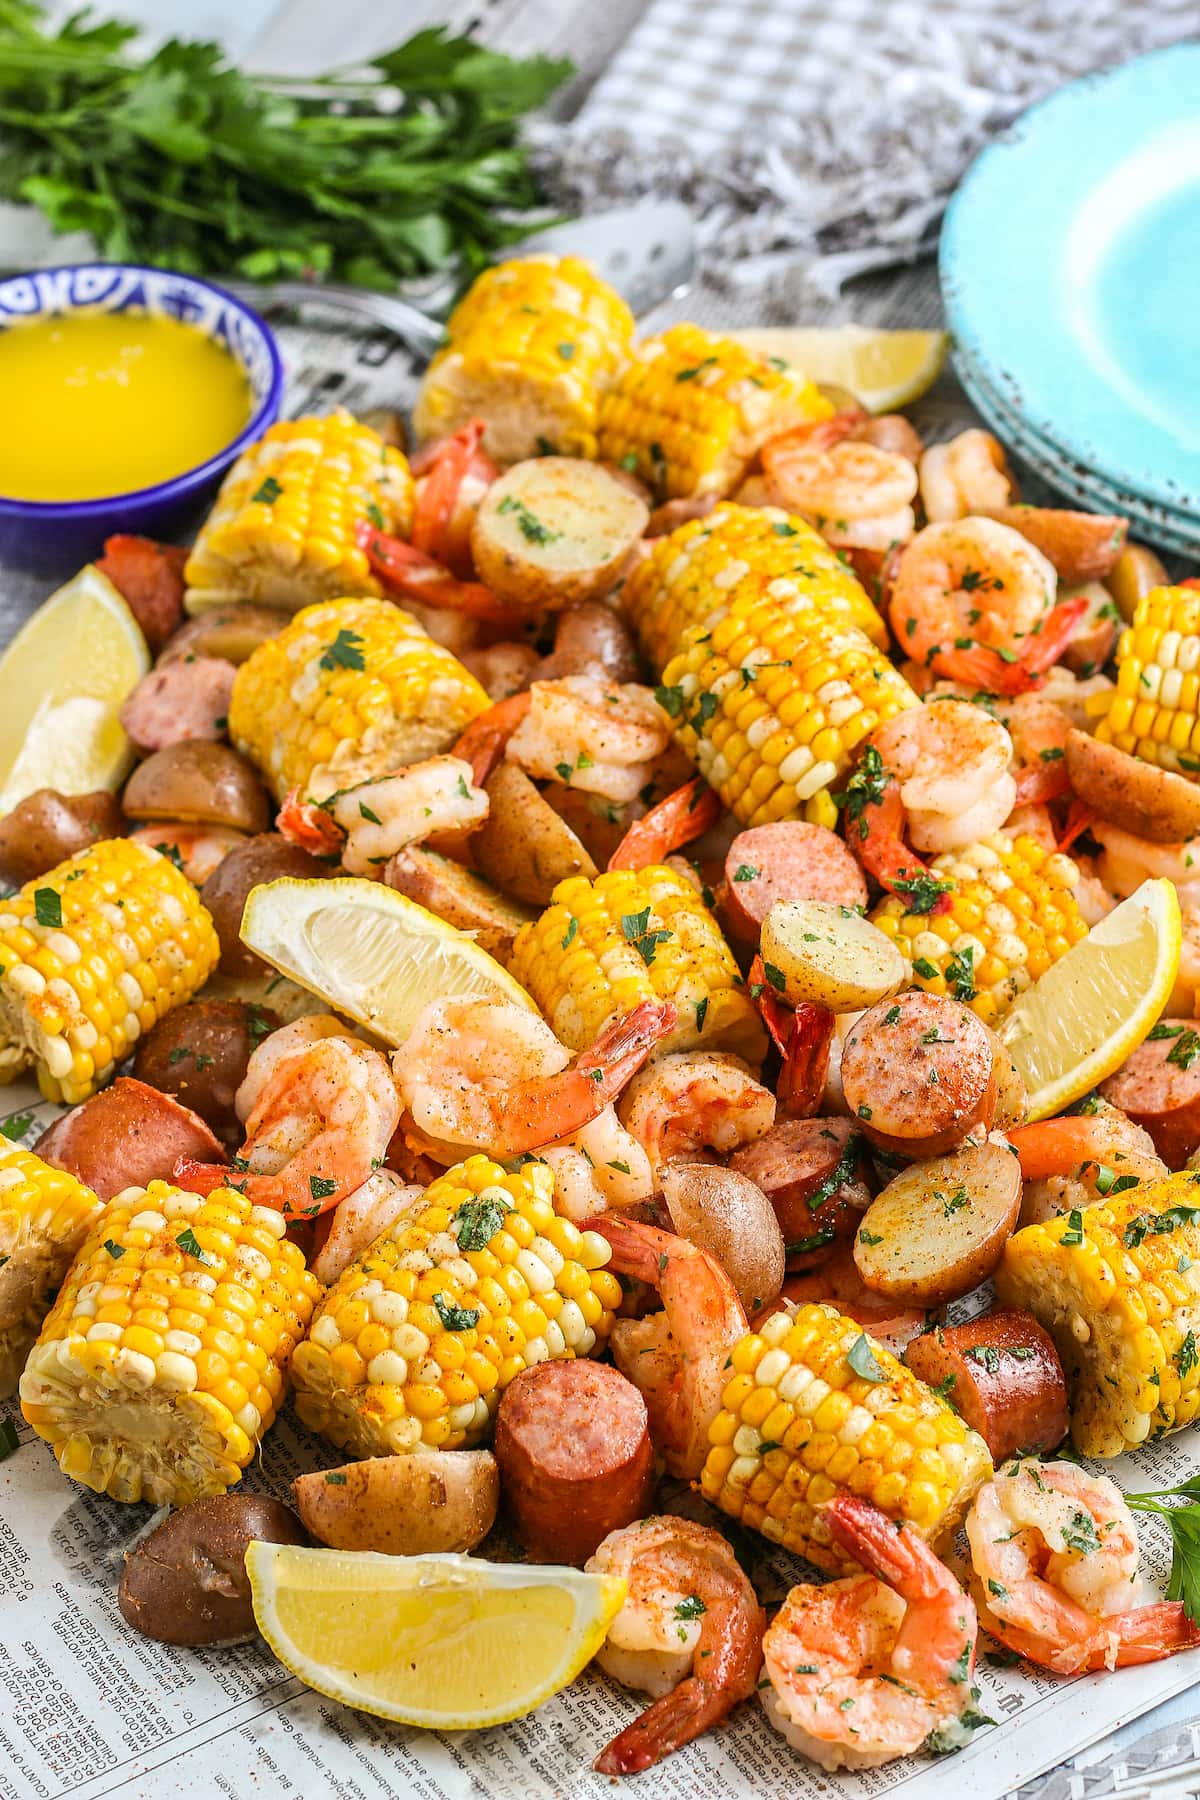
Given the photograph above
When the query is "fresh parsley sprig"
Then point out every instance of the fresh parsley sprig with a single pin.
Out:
(1183, 1521)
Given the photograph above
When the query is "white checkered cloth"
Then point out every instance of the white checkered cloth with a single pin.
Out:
(816, 139)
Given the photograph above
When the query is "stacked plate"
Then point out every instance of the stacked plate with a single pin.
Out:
(1070, 266)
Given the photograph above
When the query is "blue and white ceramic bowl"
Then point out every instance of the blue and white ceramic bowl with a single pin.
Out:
(55, 537)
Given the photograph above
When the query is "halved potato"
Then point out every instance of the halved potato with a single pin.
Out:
(523, 845)
(830, 955)
(459, 896)
(939, 1228)
(555, 531)
(1131, 577)
(1147, 801)
(422, 1504)
(728, 1215)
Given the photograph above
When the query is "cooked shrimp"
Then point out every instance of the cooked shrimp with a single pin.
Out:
(695, 1100)
(970, 474)
(601, 1166)
(503, 669)
(596, 736)
(367, 824)
(1126, 861)
(689, 1633)
(857, 495)
(951, 760)
(275, 1047)
(675, 1358)
(1081, 1158)
(865, 1670)
(359, 1219)
(406, 570)
(804, 1036)
(486, 738)
(486, 1075)
(683, 816)
(195, 849)
(1038, 726)
(320, 1125)
(1055, 1559)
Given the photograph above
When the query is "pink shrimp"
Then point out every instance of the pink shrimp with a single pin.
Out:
(683, 816)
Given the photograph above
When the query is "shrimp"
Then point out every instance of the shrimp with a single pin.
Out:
(684, 815)
(804, 1037)
(195, 849)
(453, 474)
(287, 1041)
(320, 1124)
(689, 1633)
(487, 1075)
(975, 601)
(367, 824)
(406, 570)
(970, 474)
(676, 1358)
(596, 736)
(868, 1669)
(1074, 1161)
(950, 760)
(1126, 861)
(1038, 726)
(1055, 1559)
(693, 1100)
(601, 1166)
(857, 495)
(486, 738)
(359, 1219)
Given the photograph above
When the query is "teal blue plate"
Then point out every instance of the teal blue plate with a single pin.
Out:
(1070, 266)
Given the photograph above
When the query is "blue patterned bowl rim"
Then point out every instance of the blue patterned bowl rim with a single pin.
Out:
(117, 287)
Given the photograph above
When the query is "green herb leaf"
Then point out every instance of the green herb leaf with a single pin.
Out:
(372, 818)
(701, 1014)
(47, 907)
(477, 1221)
(8, 1439)
(569, 935)
(189, 1243)
(334, 1478)
(268, 492)
(15, 1127)
(345, 652)
(116, 1251)
(746, 872)
(1074, 1232)
(455, 1318)
(861, 1358)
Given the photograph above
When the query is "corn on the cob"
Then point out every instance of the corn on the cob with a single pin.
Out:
(689, 412)
(163, 1361)
(1154, 711)
(1117, 1286)
(282, 527)
(44, 1217)
(418, 1339)
(800, 1419)
(351, 689)
(530, 349)
(92, 955)
(1012, 913)
(630, 935)
(741, 559)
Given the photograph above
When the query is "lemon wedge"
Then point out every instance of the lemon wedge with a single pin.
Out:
(447, 1642)
(370, 952)
(1083, 1017)
(884, 369)
(62, 682)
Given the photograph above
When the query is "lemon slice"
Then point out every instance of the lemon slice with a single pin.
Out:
(885, 369)
(62, 681)
(447, 1642)
(1082, 1018)
(370, 952)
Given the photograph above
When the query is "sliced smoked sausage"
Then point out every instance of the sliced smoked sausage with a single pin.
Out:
(787, 861)
(126, 1136)
(1159, 1088)
(179, 701)
(812, 1173)
(1002, 1373)
(918, 1074)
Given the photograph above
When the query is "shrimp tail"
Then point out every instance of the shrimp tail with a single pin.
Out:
(671, 1722)
(1039, 783)
(879, 841)
(802, 1037)
(1079, 819)
(683, 816)
(260, 1190)
(406, 570)
(622, 1047)
(199, 1177)
(445, 466)
(998, 673)
(1150, 1633)
(482, 744)
(310, 827)
(889, 1549)
(1052, 1146)
(638, 1249)
(544, 1111)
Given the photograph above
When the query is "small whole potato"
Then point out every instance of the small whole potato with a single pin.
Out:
(199, 783)
(728, 1215)
(187, 1584)
(198, 1054)
(232, 633)
(415, 1505)
(46, 827)
(267, 857)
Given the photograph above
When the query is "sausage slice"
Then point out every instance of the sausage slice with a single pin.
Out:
(787, 861)
(126, 1136)
(1159, 1088)
(919, 1075)
(1002, 1373)
(811, 1172)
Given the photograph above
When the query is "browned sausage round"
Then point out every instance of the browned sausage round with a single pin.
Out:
(46, 827)
(179, 701)
(267, 857)
(919, 1074)
(812, 1174)
(126, 1136)
(149, 578)
(1159, 1087)
(573, 1444)
(198, 1054)
(788, 861)
(1002, 1373)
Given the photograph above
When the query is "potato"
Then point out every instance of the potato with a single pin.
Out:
(1134, 573)
(939, 1228)
(230, 633)
(1150, 802)
(198, 783)
(416, 1505)
(187, 1584)
(46, 827)
(830, 955)
(728, 1215)
(459, 896)
(555, 531)
(198, 1054)
(523, 846)
(267, 857)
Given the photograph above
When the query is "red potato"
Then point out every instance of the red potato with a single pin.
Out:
(149, 578)
(179, 701)
(1130, 793)
(198, 783)
(1002, 1373)
(228, 633)
(727, 1214)
(1095, 636)
(47, 827)
(555, 531)
(523, 846)
(786, 861)
(919, 1074)
(198, 1055)
(187, 1583)
(260, 859)
(1160, 1094)
(1082, 546)
(426, 1503)
(591, 639)
(1132, 576)
(939, 1227)
(126, 1136)
(814, 1176)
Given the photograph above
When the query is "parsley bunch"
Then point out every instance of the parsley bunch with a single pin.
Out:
(182, 161)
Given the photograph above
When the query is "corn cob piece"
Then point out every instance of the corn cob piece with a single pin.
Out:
(164, 1359)
(93, 954)
(737, 560)
(630, 935)
(1012, 914)
(1117, 1286)
(282, 527)
(351, 689)
(414, 1345)
(689, 412)
(44, 1216)
(530, 349)
(1154, 712)
(799, 1420)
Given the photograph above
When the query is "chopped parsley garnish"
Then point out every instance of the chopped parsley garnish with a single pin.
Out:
(569, 935)
(1144, 1225)
(477, 1221)
(776, 977)
(691, 374)
(746, 872)
(1080, 1534)
(864, 788)
(868, 1237)
(345, 652)
(530, 526)
(333, 1478)
(268, 492)
(189, 1243)
(960, 973)
(923, 891)
(1074, 1232)
(701, 1014)
(861, 1358)
(47, 907)
(636, 930)
(321, 1187)
(16, 1126)
(455, 1318)
(372, 818)
(8, 1439)
(116, 1251)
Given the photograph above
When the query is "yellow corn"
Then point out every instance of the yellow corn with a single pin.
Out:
(164, 1359)
(798, 1422)
(351, 689)
(603, 946)
(1117, 1286)
(740, 559)
(93, 954)
(530, 349)
(418, 1339)
(1154, 712)
(689, 412)
(44, 1216)
(1012, 914)
(282, 528)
